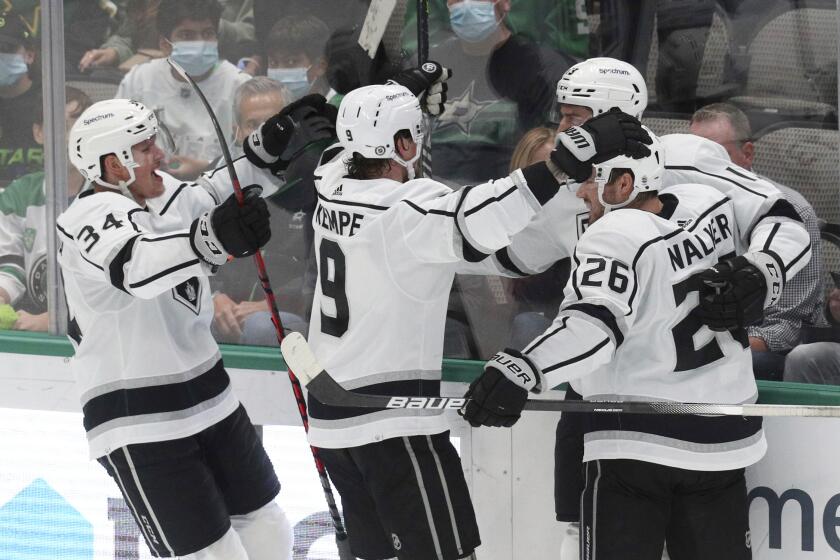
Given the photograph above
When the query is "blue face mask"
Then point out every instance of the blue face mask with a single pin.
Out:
(196, 57)
(473, 21)
(12, 68)
(294, 79)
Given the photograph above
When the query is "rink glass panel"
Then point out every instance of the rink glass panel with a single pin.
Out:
(776, 61)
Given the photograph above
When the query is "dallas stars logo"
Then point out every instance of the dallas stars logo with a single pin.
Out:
(462, 111)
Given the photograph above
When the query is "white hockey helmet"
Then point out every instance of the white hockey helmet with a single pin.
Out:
(112, 126)
(647, 172)
(604, 83)
(370, 116)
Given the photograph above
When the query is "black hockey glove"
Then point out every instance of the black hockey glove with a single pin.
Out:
(733, 294)
(497, 396)
(428, 84)
(601, 138)
(284, 136)
(231, 230)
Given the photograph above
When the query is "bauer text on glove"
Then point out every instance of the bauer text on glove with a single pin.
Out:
(498, 395)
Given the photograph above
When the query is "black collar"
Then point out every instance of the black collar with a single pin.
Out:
(669, 205)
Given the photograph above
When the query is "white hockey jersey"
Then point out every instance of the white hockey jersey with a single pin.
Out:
(765, 220)
(550, 237)
(387, 256)
(146, 365)
(628, 330)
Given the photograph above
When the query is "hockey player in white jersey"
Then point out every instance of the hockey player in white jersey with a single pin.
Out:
(630, 327)
(160, 415)
(389, 246)
(763, 219)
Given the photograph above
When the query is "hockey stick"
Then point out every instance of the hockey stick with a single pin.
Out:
(423, 57)
(323, 387)
(341, 539)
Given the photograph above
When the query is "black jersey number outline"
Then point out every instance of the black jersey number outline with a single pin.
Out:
(334, 288)
(90, 235)
(688, 356)
(617, 281)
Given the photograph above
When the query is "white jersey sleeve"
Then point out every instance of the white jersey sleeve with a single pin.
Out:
(480, 220)
(218, 183)
(107, 232)
(550, 236)
(767, 223)
(597, 308)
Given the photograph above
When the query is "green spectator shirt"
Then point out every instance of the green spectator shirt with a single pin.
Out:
(23, 243)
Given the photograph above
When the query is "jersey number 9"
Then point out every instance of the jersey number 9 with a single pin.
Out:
(333, 286)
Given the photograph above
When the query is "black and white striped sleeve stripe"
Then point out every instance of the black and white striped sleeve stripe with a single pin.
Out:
(600, 316)
(469, 247)
(116, 268)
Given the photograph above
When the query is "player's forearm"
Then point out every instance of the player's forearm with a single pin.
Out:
(149, 265)
(786, 241)
(4, 296)
(489, 215)
(571, 348)
(217, 181)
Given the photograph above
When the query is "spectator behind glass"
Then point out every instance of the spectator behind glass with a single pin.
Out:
(136, 40)
(473, 140)
(188, 32)
(295, 51)
(241, 313)
(24, 229)
(539, 296)
(802, 300)
(20, 90)
(818, 362)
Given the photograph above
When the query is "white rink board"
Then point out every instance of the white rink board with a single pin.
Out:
(44, 455)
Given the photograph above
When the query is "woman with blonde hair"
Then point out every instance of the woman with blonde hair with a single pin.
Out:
(534, 146)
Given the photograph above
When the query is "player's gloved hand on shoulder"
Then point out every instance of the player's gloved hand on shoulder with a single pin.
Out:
(285, 135)
(428, 83)
(497, 396)
(230, 229)
(734, 292)
(600, 138)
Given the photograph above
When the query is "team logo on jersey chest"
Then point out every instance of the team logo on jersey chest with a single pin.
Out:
(29, 235)
(188, 293)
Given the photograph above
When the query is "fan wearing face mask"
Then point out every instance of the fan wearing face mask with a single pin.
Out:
(188, 32)
(295, 52)
(19, 100)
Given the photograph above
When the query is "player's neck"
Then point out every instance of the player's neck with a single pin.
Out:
(653, 205)
(395, 172)
(140, 200)
(74, 182)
